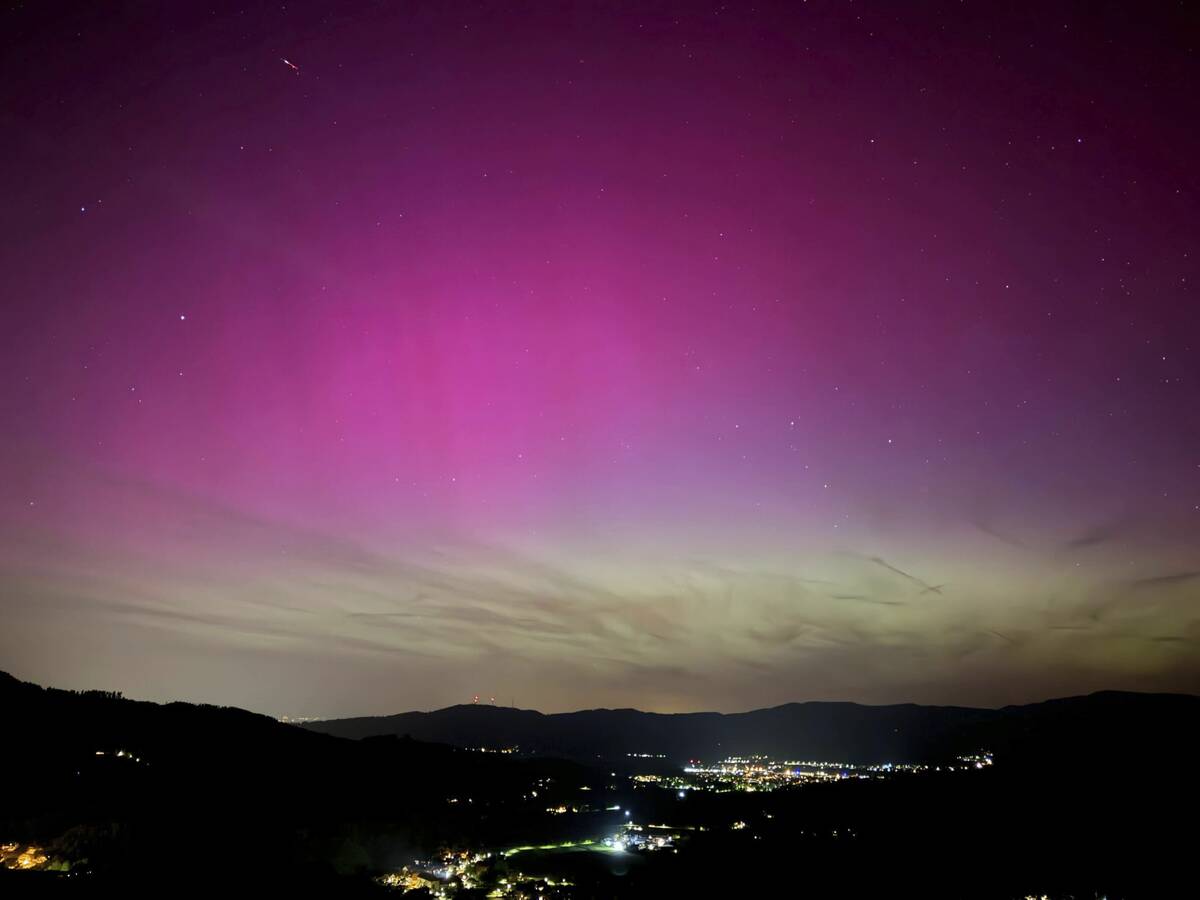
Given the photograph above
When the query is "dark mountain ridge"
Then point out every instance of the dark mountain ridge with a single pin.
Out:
(135, 795)
(136, 786)
(1134, 724)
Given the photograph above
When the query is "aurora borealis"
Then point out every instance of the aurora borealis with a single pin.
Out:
(667, 355)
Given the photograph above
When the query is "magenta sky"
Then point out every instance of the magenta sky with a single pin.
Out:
(665, 355)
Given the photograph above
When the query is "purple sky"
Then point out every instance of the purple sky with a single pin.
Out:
(666, 355)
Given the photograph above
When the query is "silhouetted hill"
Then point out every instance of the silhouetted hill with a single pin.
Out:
(1108, 723)
(144, 787)
(143, 797)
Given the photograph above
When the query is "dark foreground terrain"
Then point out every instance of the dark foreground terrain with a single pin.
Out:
(1087, 797)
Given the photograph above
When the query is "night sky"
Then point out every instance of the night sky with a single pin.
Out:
(669, 355)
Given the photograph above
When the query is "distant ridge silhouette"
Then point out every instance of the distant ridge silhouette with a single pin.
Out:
(1133, 724)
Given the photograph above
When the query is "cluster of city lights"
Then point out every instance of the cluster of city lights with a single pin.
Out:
(451, 871)
(22, 856)
(122, 754)
(638, 837)
(761, 773)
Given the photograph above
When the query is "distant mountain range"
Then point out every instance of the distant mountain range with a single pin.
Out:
(141, 797)
(1110, 724)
